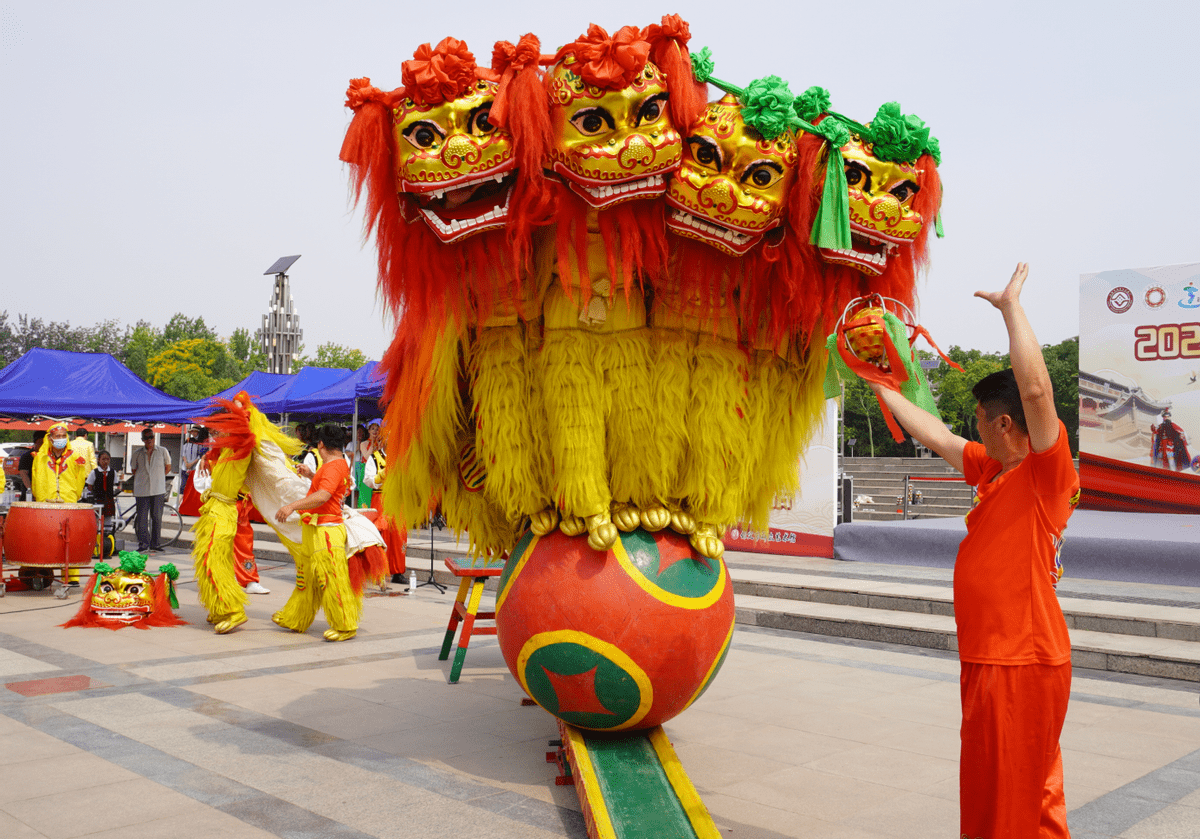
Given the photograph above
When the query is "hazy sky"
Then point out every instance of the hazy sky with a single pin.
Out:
(159, 157)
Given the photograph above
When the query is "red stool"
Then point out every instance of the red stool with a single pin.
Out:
(474, 573)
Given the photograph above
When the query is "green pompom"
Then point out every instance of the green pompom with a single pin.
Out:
(900, 137)
(170, 570)
(103, 569)
(133, 563)
(935, 150)
(895, 136)
(835, 131)
(767, 107)
(702, 65)
(812, 103)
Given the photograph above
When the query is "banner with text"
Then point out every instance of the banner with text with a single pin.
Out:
(1139, 399)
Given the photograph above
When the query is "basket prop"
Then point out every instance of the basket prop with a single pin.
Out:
(874, 344)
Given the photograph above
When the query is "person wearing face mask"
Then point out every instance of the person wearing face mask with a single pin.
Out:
(59, 472)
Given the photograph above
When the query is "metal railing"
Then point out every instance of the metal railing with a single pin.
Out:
(908, 492)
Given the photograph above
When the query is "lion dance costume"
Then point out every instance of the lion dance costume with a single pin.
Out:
(248, 452)
(611, 296)
(128, 595)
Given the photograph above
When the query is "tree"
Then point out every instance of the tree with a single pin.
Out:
(246, 350)
(141, 342)
(193, 368)
(331, 355)
(10, 342)
(181, 328)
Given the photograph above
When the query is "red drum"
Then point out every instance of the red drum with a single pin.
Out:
(41, 534)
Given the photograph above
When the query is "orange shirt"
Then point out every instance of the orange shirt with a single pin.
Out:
(1008, 565)
(333, 476)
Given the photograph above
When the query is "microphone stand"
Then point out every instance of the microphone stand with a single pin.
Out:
(434, 519)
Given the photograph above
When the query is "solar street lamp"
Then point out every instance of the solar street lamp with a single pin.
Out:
(281, 333)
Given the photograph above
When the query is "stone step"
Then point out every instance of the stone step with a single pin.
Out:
(1162, 657)
(1121, 635)
(1113, 616)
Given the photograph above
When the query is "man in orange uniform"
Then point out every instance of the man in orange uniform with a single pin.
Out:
(1012, 639)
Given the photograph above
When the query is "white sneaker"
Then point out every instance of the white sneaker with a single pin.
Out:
(255, 588)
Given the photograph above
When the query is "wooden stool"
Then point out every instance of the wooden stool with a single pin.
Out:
(474, 573)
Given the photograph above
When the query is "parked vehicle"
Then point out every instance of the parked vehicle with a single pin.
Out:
(12, 460)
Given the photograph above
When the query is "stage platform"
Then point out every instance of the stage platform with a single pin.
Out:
(1150, 548)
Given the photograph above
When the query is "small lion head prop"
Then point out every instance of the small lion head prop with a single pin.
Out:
(128, 596)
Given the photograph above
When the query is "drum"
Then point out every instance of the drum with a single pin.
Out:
(41, 534)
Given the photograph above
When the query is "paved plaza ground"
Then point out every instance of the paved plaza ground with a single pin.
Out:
(181, 733)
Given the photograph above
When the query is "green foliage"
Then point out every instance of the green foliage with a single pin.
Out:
(865, 424)
(193, 368)
(141, 342)
(953, 388)
(246, 350)
(1062, 360)
(181, 328)
(331, 355)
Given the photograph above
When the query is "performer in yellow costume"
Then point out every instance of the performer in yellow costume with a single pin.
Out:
(231, 445)
(59, 473)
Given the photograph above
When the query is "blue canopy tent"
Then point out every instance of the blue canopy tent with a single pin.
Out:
(292, 397)
(341, 397)
(56, 383)
(257, 384)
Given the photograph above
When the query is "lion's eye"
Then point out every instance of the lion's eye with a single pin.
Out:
(423, 134)
(652, 108)
(763, 174)
(904, 191)
(705, 152)
(858, 175)
(591, 121)
(480, 124)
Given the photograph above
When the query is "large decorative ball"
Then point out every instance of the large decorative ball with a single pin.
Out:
(866, 337)
(618, 640)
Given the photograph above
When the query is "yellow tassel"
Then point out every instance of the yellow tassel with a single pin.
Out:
(576, 403)
(795, 413)
(629, 433)
(489, 532)
(212, 557)
(671, 379)
(432, 456)
(720, 428)
(502, 396)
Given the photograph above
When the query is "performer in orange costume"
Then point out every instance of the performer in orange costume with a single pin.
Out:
(244, 566)
(395, 535)
(1012, 638)
(322, 577)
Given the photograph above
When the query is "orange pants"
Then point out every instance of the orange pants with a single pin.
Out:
(1010, 769)
(244, 566)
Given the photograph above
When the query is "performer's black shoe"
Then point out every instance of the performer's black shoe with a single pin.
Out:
(399, 579)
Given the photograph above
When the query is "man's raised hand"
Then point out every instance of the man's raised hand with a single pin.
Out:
(1011, 292)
